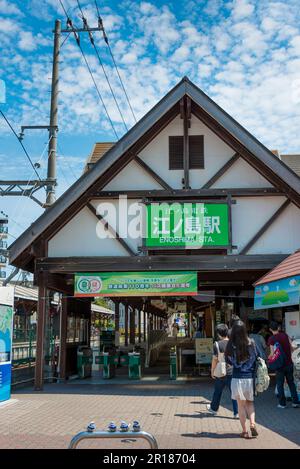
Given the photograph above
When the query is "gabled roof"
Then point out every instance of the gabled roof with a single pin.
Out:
(99, 149)
(289, 267)
(184, 87)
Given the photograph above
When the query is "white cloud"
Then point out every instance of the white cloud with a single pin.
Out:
(27, 41)
(8, 26)
(7, 8)
(242, 9)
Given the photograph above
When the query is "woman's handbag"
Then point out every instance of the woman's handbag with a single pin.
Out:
(220, 370)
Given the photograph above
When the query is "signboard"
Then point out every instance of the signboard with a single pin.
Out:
(136, 284)
(193, 225)
(6, 328)
(277, 294)
(204, 351)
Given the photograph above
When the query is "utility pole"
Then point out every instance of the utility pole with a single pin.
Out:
(51, 174)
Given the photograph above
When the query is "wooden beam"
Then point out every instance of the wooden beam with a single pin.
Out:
(265, 227)
(132, 326)
(152, 173)
(126, 323)
(221, 171)
(40, 333)
(110, 229)
(63, 325)
(186, 149)
(200, 263)
(186, 194)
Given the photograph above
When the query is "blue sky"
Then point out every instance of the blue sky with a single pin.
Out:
(245, 54)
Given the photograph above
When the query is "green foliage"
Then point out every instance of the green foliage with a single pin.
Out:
(102, 302)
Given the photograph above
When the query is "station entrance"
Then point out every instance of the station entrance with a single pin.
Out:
(146, 334)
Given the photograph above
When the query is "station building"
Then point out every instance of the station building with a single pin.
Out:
(236, 216)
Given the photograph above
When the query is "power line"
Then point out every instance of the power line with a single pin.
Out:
(67, 162)
(69, 23)
(101, 64)
(18, 204)
(24, 149)
(100, 23)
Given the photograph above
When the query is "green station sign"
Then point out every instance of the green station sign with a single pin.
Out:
(193, 225)
(135, 284)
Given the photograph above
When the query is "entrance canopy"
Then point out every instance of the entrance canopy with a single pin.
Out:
(281, 286)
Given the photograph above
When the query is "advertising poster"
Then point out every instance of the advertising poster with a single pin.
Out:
(284, 292)
(6, 329)
(136, 284)
(204, 351)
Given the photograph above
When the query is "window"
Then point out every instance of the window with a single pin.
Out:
(175, 152)
(196, 152)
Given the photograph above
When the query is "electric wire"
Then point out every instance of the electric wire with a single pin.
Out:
(69, 22)
(24, 149)
(33, 187)
(85, 23)
(67, 161)
(100, 22)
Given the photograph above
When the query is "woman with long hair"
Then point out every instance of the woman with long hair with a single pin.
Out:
(241, 353)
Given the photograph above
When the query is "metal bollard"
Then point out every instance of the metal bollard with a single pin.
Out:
(113, 433)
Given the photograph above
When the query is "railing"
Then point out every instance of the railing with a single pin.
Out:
(114, 434)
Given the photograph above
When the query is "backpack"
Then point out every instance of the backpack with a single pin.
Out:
(262, 378)
(278, 359)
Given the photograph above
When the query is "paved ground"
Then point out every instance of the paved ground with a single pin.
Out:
(175, 414)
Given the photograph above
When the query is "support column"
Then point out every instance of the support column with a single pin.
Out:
(41, 317)
(126, 323)
(117, 323)
(132, 327)
(140, 327)
(145, 325)
(63, 338)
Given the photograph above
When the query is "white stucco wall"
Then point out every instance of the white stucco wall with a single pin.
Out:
(216, 153)
(80, 237)
(241, 174)
(132, 177)
(283, 236)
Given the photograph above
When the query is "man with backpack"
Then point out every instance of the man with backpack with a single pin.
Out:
(280, 344)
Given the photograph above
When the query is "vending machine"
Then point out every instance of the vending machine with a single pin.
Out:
(6, 329)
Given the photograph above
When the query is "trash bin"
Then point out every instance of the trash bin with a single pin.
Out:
(173, 364)
(134, 365)
(84, 361)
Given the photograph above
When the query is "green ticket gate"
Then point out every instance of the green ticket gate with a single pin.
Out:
(109, 362)
(84, 361)
(173, 365)
(134, 365)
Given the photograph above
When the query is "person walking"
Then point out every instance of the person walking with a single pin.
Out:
(287, 371)
(234, 318)
(260, 342)
(220, 383)
(175, 329)
(241, 353)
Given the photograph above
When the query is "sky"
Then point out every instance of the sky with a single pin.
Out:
(244, 54)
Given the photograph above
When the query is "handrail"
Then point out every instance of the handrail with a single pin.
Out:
(119, 435)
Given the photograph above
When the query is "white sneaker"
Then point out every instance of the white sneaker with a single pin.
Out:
(296, 406)
(281, 406)
(213, 412)
(236, 416)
